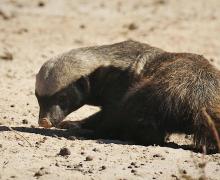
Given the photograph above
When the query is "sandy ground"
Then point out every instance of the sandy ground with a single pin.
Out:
(33, 31)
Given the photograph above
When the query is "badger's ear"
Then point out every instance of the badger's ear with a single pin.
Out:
(84, 85)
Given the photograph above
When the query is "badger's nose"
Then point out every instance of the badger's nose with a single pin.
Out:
(45, 122)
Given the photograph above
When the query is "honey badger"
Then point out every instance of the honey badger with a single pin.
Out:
(144, 92)
(97, 76)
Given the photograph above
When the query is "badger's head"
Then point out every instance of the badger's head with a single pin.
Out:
(61, 87)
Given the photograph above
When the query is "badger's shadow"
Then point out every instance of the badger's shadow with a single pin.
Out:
(89, 135)
(66, 133)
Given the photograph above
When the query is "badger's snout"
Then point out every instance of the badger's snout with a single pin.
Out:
(50, 116)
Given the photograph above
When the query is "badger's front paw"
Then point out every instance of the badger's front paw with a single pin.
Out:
(69, 125)
(44, 122)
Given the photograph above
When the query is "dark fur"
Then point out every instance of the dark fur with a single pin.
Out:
(169, 97)
(166, 96)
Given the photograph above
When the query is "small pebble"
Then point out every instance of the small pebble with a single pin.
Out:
(173, 175)
(37, 143)
(90, 171)
(89, 158)
(133, 171)
(103, 167)
(12, 105)
(156, 155)
(82, 26)
(6, 56)
(41, 172)
(24, 121)
(64, 152)
(202, 165)
(57, 164)
(78, 166)
(96, 150)
(133, 163)
(41, 4)
(132, 26)
(184, 171)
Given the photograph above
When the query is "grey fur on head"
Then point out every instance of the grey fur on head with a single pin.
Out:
(60, 71)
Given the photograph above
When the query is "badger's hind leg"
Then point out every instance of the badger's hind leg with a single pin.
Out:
(207, 128)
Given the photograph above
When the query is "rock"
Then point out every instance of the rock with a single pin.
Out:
(41, 172)
(133, 171)
(96, 150)
(157, 155)
(33, 126)
(57, 164)
(89, 158)
(24, 121)
(64, 152)
(41, 4)
(82, 26)
(6, 15)
(133, 163)
(6, 56)
(22, 30)
(132, 26)
(103, 167)
(90, 171)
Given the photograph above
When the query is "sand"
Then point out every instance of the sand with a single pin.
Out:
(33, 31)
